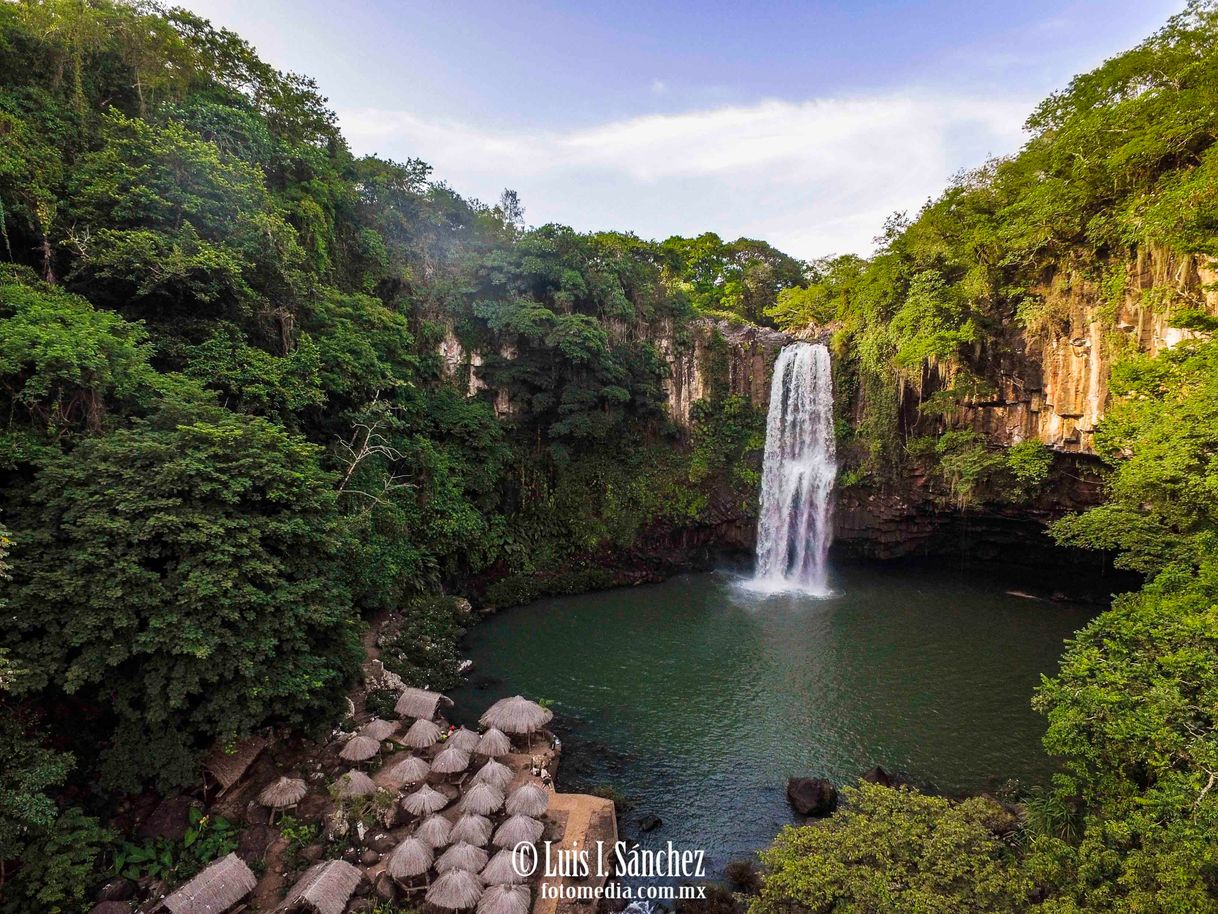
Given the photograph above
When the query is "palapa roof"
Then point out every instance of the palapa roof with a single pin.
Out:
(409, 770)
(360, 749)
(422, 733)
(494, 743)
(529, 799)
(435, 830)
(462, 856)
(419, 703)
(502, 871)
(450, 761)
(423, 801)
(325, 888)
(494, 773)
(518, 829)
(228, 767)
(354, 784)
(505, 899)
(455, 890)
(472, 830)
(378, 729)
(481, 799)
(216, 889)
(411, 858)
(466, 740)
(517, 715)
(283, 793)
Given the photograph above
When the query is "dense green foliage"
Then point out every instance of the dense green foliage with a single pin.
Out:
(895, 850)
(230, 433)
(1121, 160)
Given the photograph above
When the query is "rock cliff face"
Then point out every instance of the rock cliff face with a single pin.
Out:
(1051, 381)
(700, 354)
(742, 356)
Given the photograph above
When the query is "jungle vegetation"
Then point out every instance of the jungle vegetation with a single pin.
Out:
(1120, 161)
(229, 437)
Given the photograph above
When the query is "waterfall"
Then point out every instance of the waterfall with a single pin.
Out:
(795, 523)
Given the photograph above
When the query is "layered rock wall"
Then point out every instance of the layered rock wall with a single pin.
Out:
(1052, 380)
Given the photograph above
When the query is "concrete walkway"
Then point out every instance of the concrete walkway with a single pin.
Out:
(585, 820)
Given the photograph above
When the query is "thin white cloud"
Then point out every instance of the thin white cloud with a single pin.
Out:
(811, 177)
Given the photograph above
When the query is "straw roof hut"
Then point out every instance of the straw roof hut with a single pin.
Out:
(216, 889)
(378, 729)
(420, 703)
(494, 743)
(422, 733)
(505, 899)
(284, 793)
(325, 888)
(494, 773)
(462, 856)
(226, 767)
(518, 829)
(529, 799)
(353, 784)
(481, 800)
(409, 770)
(471, 829)
(411, 858)
(424, 801)
(501, 870)
(466, 740)
(450, 761)
(360, 749)
(517, 715)
(455, 890)
(435, 830)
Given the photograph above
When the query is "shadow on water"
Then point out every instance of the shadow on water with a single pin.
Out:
(696, 698)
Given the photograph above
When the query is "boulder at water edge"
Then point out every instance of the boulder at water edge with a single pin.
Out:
(812, 796)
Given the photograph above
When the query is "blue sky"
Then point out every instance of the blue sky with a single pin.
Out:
(804, 124)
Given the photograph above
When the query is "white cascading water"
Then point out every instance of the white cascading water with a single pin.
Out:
(796, 523)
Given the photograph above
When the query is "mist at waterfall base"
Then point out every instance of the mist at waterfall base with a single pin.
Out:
(794, 520)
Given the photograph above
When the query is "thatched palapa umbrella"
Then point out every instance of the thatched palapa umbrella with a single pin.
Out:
(455, 890)
(481, 800)
(530, 799)
(463, 739)
(411, 858)
(378, 729)
(422, 733)
(505, 899)
(354, 784)
(462, 856)
(360, 749)
(502, 869)
(419, 703)
(424, 801)
(450, 761)
(219, 887)
(410, 770)
(435, 830)
(471, 829)
(493, 743)
(325, 888)
(282, 794)
(518, 829)
(493, 773)
(517, 715)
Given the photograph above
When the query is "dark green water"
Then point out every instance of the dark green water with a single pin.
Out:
(697, 699)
